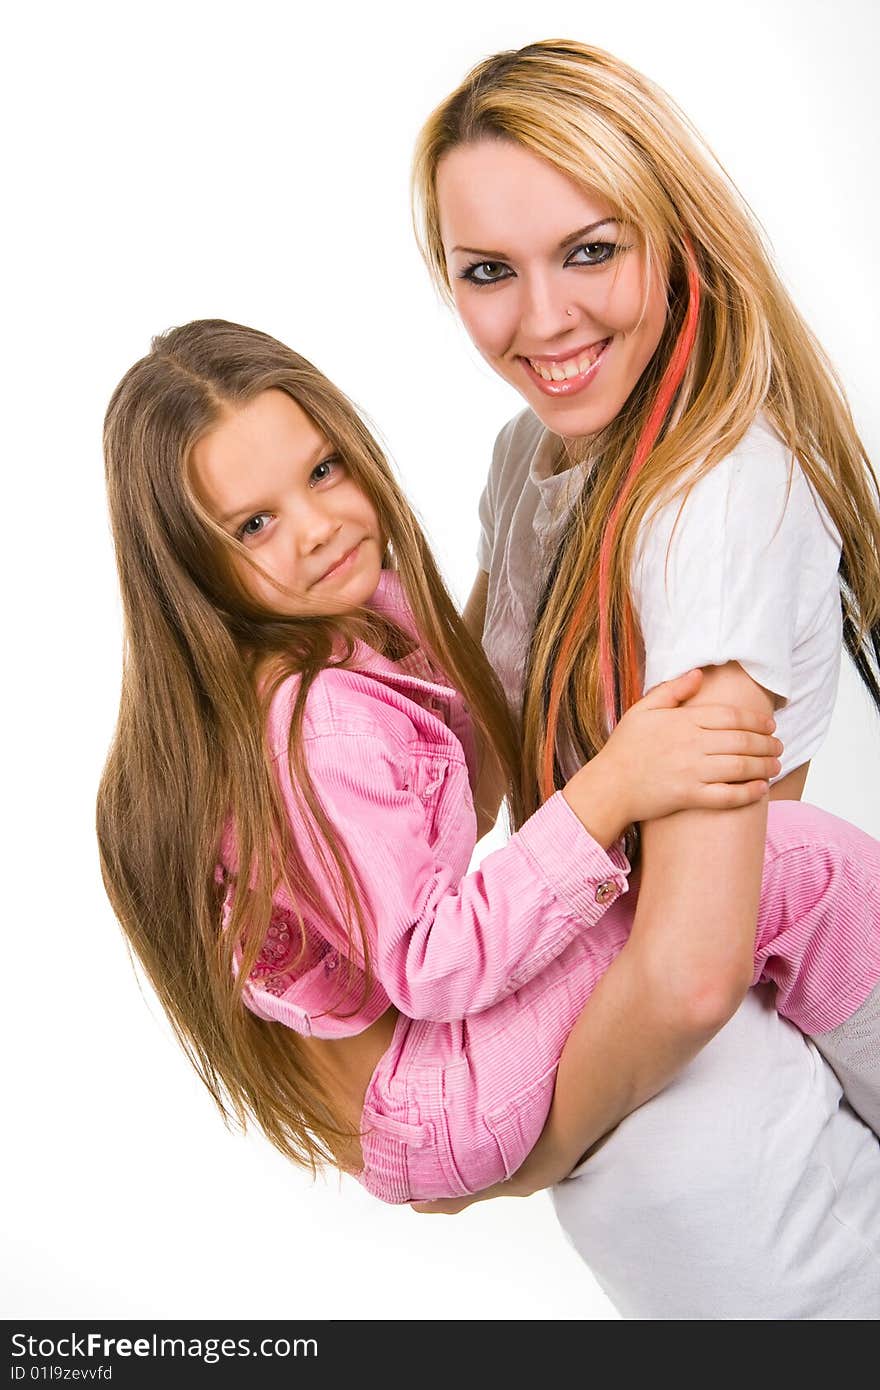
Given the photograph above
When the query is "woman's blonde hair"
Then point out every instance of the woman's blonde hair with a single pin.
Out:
(733, 345)
(190, 756)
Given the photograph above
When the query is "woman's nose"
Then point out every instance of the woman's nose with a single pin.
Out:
(545, 309)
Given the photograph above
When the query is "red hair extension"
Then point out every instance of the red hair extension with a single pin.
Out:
(669, 384)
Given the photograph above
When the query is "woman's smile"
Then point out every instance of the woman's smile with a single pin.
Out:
(564, 376)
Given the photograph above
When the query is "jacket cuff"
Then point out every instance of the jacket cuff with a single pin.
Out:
(577, 868)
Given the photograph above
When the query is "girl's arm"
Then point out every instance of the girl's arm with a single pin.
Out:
(444, 946)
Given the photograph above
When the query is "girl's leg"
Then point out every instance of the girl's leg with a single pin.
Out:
(745, 1190)
(818, 941)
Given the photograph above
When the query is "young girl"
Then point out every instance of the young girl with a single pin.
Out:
(286, 822)
(686, 488)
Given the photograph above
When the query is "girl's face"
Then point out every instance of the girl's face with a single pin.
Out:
(552, 289)
(269, 477)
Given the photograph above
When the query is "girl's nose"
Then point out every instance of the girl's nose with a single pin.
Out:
(316, 528)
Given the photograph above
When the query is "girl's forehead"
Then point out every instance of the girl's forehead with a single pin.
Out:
(271, 420)
(495, 189)
(257, 440)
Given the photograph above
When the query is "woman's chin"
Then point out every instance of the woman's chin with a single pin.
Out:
(568, 417)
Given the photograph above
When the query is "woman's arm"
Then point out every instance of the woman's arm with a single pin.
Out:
(490, 788)
(474, 611)
(721, 572)
(684, 971)
(681, 976)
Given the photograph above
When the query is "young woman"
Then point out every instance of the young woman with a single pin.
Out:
(686, 488)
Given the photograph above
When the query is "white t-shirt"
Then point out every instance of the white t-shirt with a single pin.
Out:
(750, 574)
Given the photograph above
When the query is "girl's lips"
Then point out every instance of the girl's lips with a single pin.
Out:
(571, 385)
(344, 564)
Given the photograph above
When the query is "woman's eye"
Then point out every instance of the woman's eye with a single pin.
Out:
(486, 272)
(254, 526)
(593, 253)
(325, 469)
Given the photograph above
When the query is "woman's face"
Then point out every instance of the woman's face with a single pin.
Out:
(551, 288)
(268, 475)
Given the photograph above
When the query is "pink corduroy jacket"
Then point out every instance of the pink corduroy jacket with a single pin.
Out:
(490, 968)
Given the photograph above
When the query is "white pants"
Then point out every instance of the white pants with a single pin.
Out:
(746, 1190)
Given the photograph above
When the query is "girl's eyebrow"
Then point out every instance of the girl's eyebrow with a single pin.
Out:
(567, 241)
(323, 447)
(233, 516)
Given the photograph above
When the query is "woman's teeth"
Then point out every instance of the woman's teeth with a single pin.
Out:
(564, 371)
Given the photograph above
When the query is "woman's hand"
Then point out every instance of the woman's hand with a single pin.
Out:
(662, 758)
(451, 1206)
(543, 1167)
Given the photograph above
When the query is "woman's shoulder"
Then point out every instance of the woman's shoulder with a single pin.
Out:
(761, 438)
(737, 567)
(758, 487)
(515, 445)
(762, 461)
(758, 460)
(522, 431)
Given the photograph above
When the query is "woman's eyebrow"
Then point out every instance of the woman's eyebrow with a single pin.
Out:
(585, 231)
(566, 241)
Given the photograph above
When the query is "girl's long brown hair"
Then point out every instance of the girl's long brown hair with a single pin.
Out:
(616, 134)
(190, 754)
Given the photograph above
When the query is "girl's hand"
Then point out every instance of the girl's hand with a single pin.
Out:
(701, 757)
(663, 758)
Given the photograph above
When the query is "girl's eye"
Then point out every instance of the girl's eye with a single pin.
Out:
(254, 526)
(593, 253)
(485, 272)
(325, 469)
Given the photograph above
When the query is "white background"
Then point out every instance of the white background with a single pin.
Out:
(167, 162)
